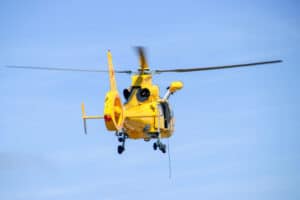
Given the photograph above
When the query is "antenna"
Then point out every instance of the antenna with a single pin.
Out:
(169, 156)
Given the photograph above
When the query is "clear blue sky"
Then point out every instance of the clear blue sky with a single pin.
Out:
(237, 132)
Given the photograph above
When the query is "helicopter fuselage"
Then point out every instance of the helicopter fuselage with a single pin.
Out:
(146, 114)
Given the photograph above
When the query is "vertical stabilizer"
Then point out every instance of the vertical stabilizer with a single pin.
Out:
(112, 79)
(113, 108)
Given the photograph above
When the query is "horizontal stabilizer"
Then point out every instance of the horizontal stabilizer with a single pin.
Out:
(85, 117)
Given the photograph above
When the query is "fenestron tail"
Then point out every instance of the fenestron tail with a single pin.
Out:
(113, 108)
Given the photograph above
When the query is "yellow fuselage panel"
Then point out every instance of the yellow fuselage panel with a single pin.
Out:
(144, 118)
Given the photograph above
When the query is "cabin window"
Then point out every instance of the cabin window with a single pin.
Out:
(166, 113)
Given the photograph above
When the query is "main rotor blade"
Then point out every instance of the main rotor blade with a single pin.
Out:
(215, 67)
(142, 57)
(65, 69)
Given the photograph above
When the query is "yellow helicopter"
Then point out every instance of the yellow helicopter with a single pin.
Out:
(144, 114)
